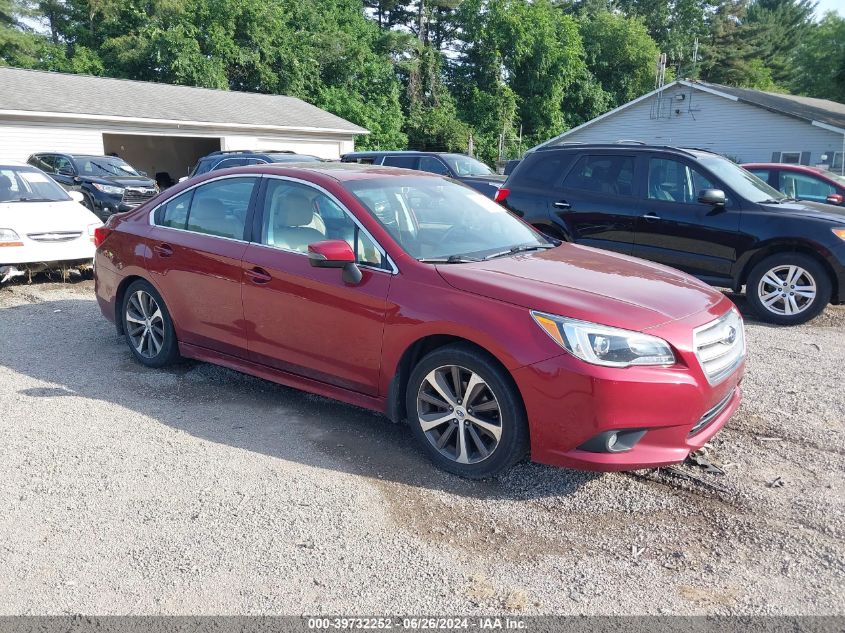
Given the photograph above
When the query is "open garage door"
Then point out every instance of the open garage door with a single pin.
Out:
(160, 156)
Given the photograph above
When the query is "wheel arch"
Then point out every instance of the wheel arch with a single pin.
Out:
(776, 248)
(396, 410)
(118, 299)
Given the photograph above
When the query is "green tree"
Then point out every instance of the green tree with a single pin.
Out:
(819, 62)
(620, 54)
(780, 26)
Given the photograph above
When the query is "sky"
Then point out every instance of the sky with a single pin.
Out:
(830, 5)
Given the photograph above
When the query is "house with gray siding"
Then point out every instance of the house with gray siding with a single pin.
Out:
(744, 125)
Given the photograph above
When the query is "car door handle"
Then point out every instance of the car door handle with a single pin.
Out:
(651, 216)
(163, 250)
(562, 204)
(258, 275)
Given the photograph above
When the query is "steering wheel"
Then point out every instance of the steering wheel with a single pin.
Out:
(457, 229)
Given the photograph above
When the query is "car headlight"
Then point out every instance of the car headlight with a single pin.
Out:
(110, 189)
(839, 232)
(9, 238)
(603, 345)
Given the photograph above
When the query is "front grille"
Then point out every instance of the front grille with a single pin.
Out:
(133, 196)
(54, 236)
(720, 346)
(711, 415)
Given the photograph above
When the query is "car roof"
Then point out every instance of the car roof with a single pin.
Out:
(627, 146)
(14, 163)
(341, 172)
(787, 166)
(395, 152)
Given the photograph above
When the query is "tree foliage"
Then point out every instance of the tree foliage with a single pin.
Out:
(436, 74)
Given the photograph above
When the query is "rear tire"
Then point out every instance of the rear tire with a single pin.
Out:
(477, 429)
(147, 326)
(788, 288)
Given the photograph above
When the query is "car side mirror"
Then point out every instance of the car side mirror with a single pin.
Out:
(76, 196)
(64, 171)
(835, 198)
(714, 197)
(335, 254)
(142, 173)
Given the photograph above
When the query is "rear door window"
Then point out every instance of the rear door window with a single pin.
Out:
(174, 214)
(408, 162)
(611, 175)
(219, 208)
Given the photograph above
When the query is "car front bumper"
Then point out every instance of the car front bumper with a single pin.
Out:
(570, 402)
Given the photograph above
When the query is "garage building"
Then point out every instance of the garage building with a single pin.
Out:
(156, 127)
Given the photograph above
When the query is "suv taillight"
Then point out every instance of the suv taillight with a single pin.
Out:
(501, 194)
(100, 235)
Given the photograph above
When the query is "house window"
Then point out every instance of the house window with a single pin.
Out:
(790, 158)
(836, 163)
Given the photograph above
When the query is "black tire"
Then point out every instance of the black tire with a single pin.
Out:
(147, 354)
(813, 271)
(496, 387)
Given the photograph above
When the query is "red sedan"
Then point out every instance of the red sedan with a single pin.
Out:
(412, 295)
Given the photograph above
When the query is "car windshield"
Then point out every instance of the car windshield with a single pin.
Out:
(466, 165)
(438, 220)
(105, 166)
(20, 184)
(741, 181)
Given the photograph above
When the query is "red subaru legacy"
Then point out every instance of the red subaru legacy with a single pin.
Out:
(415, 296)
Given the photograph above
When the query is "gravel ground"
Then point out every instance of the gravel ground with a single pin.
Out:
(197, 490)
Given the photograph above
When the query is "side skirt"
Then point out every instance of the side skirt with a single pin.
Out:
(283, 378)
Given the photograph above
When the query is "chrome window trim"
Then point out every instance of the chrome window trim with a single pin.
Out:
(394, 270)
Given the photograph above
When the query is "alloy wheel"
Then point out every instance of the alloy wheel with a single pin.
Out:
(145, 324)
(459, 414)
(787, 290)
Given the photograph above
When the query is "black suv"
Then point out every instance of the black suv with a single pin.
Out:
(108, 184)
(461, 167)
(238, 158)
(693, 210)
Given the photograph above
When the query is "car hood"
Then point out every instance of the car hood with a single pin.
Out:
(588, 284)
(37, 217)
(809, 209)
(123, 181)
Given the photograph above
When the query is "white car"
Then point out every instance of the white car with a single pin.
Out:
(42, 226)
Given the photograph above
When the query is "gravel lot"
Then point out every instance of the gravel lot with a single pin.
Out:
(197, 490)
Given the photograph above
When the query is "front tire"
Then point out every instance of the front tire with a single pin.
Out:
(148, 327)
(788, 289)
(466, 413)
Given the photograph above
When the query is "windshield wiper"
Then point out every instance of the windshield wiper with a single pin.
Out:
(452, 259)
(521, 248)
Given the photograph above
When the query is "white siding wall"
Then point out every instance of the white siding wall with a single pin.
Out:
(18, 142)
(738, 130)
(324, 147)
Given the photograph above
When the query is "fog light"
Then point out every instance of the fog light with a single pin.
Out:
(613, 441)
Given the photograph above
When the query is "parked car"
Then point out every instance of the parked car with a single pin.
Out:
(238, 158)
(801, 182)
(108, 184)
(41, 225)
(692, 210)
(491, 340)
(461, 167)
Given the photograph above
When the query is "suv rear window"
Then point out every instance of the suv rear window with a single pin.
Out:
(603, 174)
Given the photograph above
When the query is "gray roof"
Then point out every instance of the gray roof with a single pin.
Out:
(807, 108)
(40, 91)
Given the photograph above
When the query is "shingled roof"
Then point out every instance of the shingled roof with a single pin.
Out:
(807, 108)
(85, 95)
